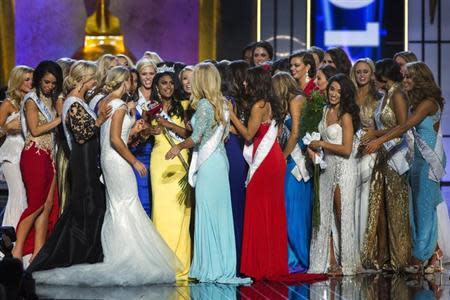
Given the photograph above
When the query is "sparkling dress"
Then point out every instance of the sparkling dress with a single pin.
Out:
(9, 164)
(345, 239)
(37, 166)
(387, 241)
(365, 166)
(134, 252)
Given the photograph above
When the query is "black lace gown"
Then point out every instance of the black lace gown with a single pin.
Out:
(77, 236)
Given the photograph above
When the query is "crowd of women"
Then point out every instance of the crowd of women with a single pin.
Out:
(224, 171)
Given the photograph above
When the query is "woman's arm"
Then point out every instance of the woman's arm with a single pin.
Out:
(118, 144)
(295, 110)
(32, 118)
(423, 110)
(12, 127)
(181, 131)
(204, 117)
(344, 149)
(255, 120)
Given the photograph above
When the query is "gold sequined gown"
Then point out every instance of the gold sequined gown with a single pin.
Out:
(388, 238)
(366, 163)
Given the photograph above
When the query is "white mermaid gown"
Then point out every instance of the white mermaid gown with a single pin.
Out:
(134, 252)
(10, 153)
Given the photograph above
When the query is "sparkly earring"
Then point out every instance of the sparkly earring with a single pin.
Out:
(307, 79)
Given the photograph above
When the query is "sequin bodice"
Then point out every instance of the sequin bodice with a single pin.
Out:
(44, 141)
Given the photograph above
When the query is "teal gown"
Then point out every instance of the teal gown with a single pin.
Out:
(214, 243)
(426, 195)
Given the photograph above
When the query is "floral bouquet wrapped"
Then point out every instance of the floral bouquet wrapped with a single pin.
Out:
(312, 113)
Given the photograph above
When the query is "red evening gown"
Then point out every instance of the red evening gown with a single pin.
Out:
(264, 246)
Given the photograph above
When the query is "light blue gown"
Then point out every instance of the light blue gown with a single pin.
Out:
(214, 244)
(299, 201)
(426, 195)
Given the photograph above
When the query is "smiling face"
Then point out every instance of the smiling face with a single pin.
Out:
(334, 93)
(298, 68)
(321, 81)
(363, 74)
(48, 83)
(408, 82)
(146, 76)
(27, 82)
(260, 56)
(186, 81)
(166, 86)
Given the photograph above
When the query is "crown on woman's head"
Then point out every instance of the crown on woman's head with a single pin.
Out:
(165, 68)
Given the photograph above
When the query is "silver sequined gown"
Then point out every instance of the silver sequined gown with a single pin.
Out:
(342, 172)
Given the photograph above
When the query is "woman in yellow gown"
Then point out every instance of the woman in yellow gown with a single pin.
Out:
(171, 209)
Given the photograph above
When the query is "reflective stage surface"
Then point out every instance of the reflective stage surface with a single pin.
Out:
(367, 286)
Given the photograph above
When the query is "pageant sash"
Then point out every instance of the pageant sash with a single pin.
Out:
(66, 106)
(94, 101)
(263, 150)
(40, 105)
(175, 136)
(299, 171)
(434, 157)
(199, 156)
(141, 102)
(398, 148)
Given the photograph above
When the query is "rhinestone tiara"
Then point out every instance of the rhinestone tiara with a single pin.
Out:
(164, 69)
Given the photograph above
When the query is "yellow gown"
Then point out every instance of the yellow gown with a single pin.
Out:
(170, 215)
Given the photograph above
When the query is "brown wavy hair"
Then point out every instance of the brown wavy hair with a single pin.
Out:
(425, 87)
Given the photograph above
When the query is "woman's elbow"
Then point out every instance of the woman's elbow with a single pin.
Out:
(34, 132)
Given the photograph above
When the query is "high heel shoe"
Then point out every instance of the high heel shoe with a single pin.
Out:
(435, 267)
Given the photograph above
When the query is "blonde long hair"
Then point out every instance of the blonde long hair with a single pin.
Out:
(104, 65)
(81, 72)
(15, 82)
(114, 79)
(206, 84)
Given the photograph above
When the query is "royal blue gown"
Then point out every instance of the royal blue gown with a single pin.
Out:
(237, 175)
(299, 201)
(142, 153)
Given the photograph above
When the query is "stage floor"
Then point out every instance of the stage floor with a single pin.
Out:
(373, 286)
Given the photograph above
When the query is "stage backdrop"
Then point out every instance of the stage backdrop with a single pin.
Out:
(50, 29)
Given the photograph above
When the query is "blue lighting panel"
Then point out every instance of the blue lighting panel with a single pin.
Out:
(364, 28)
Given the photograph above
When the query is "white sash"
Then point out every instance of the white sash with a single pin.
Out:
(41, 106)
(199, 156)
(299, 171)
(398, 148)
(95, 100)
(263, 149)
(141, 102)
(166, 116)
(434, 157)
(66, 106)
